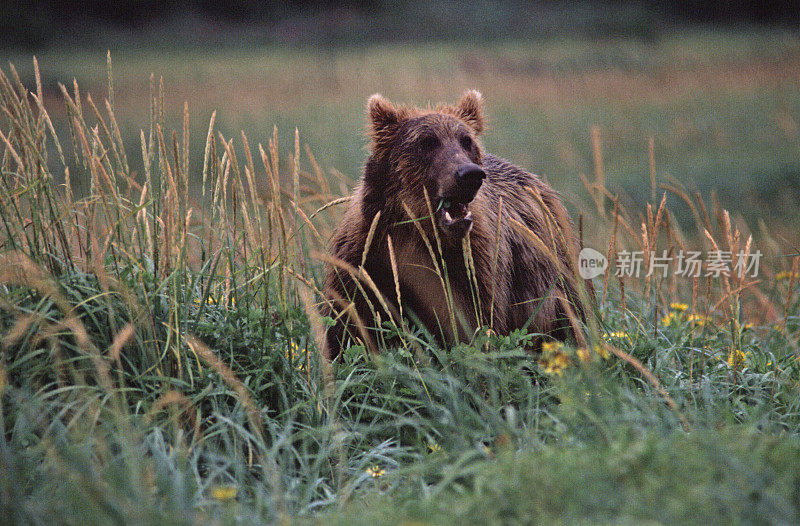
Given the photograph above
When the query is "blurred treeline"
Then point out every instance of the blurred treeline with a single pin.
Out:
(40, 23)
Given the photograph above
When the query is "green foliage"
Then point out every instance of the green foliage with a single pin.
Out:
(731, 477)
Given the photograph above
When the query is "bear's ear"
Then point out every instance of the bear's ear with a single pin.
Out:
(383, 117)
(470, 110)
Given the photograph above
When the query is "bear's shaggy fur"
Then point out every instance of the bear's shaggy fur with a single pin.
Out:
(437, 198)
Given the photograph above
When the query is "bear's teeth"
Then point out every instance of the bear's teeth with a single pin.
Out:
(447, 217)
(469, 215)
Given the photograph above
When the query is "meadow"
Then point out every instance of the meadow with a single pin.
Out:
(161, 270)
(720, 105)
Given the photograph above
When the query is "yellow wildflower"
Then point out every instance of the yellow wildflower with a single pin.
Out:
(669, 318)
(698, 319)
(736, 358)
(680, 307)
(224, 493)
(556, 365)
(211, 301)
(551, 347)
(617, 335)
(554, 358)
(376, 471)
(433, 447)
(787, 274)
(296, 355)
(587, 354)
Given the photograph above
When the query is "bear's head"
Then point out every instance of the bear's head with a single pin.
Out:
(433, 150)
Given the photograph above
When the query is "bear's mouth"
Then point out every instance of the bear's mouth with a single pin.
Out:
(455, 218)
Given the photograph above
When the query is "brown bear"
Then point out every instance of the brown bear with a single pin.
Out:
(449, 236)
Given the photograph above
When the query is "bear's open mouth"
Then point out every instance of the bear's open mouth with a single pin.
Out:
(455, 218)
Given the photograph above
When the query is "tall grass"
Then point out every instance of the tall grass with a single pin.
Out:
(161, 354)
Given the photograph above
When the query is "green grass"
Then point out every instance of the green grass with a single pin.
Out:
(737, 477)
(163, 370)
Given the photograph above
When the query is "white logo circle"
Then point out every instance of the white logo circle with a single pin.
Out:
(591, 263)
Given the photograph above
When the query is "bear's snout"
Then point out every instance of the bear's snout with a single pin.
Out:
(469, 178)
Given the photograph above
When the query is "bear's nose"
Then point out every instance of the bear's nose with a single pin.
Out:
(469, 178)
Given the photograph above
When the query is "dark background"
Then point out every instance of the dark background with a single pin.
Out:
(93, 22)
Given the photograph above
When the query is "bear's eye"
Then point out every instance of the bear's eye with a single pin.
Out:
(466, 142)
(427, 142)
